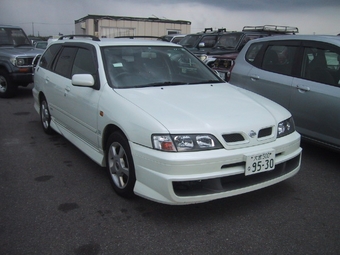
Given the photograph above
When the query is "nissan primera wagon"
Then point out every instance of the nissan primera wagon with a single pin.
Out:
(164, 125)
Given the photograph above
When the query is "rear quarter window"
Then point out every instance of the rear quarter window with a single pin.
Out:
(252, 52)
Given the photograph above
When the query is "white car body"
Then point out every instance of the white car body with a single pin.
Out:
(83, 114)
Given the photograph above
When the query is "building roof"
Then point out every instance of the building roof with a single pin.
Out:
(150, 19)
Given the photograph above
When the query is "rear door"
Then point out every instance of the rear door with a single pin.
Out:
(271, 72)
(315, 102)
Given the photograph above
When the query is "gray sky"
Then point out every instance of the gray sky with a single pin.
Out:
(50, 17)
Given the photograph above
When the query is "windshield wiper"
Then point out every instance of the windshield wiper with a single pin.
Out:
(220, 47)
(209, 81)
(166, 83)
(23, 44)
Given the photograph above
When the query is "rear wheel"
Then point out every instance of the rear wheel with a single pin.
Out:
(7, 88)
(119, 164)
(45, 117)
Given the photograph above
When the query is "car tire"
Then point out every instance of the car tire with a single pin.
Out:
(7, 88)
(45, 117)
(120, 166)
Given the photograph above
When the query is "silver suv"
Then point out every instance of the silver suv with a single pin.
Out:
(16, 57)
(302, 73)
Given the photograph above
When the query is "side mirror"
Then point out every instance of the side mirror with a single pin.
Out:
(35, 61)
(85, 80)
(201, 45)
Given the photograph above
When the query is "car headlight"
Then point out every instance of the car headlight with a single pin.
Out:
(203, 57)
(185, 142)
(17, 61)
(285, 127)
(223, 63)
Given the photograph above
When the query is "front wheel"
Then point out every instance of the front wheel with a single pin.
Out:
(45, 117)
(7, 88)
(119, 164)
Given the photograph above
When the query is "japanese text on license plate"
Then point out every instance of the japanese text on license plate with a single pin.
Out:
(261, 162)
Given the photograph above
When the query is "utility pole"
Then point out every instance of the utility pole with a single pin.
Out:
(33, 28)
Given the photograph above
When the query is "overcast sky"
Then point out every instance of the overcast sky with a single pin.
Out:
(50, 17)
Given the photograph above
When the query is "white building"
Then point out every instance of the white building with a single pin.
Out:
(112, 26)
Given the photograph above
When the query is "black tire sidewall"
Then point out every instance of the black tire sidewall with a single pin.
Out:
(11, 89)
(47, 130)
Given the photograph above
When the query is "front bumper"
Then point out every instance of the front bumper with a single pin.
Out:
(22, 77)
(196, 177)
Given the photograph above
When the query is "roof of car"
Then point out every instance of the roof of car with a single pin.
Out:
(9, 26)
(113, 41)
(320, 38)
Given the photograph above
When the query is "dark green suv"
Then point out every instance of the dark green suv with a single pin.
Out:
(201, 43)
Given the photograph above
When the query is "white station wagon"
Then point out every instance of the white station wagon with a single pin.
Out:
(165, 126)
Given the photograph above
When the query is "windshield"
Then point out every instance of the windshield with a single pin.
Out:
(189, 41)
(228, 41)
(147, 66)
(13, 37)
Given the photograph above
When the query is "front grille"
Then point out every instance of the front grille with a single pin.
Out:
(265, 132)
(28, 61)
(229, 183)
(233, 138)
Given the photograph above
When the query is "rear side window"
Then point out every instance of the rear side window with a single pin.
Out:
(49, 55)
(279, 59)
(321, 65)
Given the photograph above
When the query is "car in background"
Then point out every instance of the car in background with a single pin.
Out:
(222, 56)
(174, 38)
(166, 127)
(201, 43)
(40, 44)
(16, 56)
(301, 73)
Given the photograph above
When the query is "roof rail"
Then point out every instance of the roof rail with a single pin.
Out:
(208, 29)
(221, 30)
(272, 28)
(94, 38)
(139, 36)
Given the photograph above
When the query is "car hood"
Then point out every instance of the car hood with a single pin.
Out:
(232, 55)
(20, 51)
(217, 52)
(206, 108)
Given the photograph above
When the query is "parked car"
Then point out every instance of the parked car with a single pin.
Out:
(222, 56)
(16, 56)
(174, 38)
(201, 43)
(166, 127)
(40, 45)
(301, 73)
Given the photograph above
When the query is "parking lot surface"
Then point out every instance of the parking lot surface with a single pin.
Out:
(55, 200)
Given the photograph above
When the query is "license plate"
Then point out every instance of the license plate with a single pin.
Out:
(260, 162)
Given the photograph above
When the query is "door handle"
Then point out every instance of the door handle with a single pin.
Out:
(254, 77)
(67, 89)
(303, 88)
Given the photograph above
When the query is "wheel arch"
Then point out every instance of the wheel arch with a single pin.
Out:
(5, 67)
(41, 96)
(108, 130)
